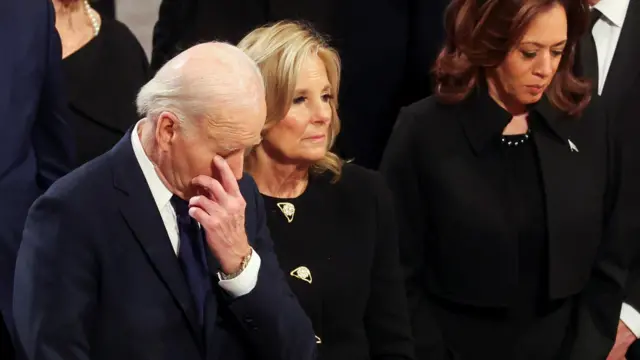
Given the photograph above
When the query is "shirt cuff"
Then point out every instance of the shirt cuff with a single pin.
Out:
(245, 282)
(631, 318)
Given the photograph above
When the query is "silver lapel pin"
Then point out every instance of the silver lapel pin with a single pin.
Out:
(573, 147)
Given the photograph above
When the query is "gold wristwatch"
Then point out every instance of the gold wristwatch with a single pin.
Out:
(243, 265)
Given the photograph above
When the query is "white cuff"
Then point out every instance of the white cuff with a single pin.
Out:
(631, 318)
(245, 282)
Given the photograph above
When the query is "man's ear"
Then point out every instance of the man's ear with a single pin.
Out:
(167, 128)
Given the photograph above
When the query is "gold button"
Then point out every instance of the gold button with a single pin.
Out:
(303, 273)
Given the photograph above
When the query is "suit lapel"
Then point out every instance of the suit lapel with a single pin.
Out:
(142, 215)
(564, 169)
(624, 70)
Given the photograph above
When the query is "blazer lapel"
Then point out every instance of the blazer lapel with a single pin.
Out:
(624, 70)
(559, 175)
(564, 167)
(142, 215)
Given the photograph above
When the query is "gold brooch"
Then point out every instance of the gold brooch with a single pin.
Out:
(303, 273)
(288, 210)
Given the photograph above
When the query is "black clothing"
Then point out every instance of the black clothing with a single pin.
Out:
(499, 242)
(103, 79)
(344, 234)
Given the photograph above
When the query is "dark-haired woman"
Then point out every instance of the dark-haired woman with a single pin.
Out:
(502, 183)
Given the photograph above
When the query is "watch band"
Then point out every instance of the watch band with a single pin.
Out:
(243, 265)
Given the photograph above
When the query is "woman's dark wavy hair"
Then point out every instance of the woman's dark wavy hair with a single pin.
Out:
(481, 33)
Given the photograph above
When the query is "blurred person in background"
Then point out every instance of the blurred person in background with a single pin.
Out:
(36, 145)
(104, 68)
(609, 56)
(387, 49)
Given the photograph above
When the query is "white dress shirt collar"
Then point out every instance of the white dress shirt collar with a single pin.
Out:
(161, 195)
(615, 11)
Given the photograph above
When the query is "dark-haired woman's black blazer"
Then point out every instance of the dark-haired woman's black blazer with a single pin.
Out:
(457, 241)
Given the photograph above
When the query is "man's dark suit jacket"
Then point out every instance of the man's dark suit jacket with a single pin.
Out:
(97, 278)
(387, 49)
(621, 96)
(35, 142)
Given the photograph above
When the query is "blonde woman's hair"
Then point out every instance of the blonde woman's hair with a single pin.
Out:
(280, 50)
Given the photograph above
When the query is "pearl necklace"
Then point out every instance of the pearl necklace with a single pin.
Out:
(521, 139)
(92, 16)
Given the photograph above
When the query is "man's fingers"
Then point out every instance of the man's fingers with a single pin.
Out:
(199, 214)
(206, 204)
(228, 180)
(212, 187)
(206, 212)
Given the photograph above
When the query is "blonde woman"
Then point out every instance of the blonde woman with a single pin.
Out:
(332, 223)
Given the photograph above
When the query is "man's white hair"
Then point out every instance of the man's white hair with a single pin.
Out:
(202, 82)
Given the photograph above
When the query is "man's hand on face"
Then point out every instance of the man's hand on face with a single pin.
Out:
(220, 210)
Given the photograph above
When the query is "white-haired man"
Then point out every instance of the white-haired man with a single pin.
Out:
(159, 248)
